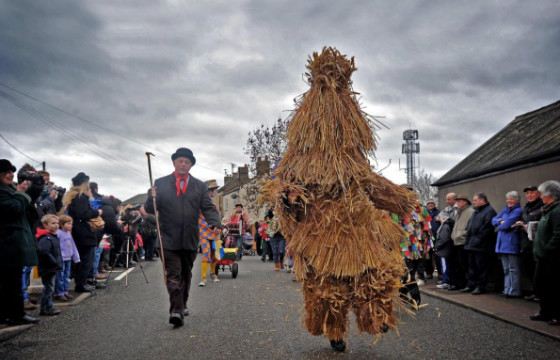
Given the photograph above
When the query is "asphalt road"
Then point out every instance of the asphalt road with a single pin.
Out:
(256, 316)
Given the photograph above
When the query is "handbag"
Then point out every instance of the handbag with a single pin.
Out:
(96, 224)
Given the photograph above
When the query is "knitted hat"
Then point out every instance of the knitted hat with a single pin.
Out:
(6, 165)
(79, 179)
(184, 152)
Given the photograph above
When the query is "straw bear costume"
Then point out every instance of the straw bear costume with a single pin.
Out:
(334, 210)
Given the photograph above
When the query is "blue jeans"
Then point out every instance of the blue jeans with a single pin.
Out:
(48, 290)
(445, 277)
(278, 244)
(63, 278)
(512, 274)
(96, 260)
(25, 281)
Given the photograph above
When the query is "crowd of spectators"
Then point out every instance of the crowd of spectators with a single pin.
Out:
(81, 234)
(76, 234)
(468, 239)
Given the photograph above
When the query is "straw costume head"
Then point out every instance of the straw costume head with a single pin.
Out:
(334, 210)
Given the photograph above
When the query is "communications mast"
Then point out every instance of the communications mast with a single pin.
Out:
(411, 148)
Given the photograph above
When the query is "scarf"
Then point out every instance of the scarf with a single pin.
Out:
(178, 179)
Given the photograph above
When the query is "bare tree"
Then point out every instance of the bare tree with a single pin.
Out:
(269, 142)
(423, 184)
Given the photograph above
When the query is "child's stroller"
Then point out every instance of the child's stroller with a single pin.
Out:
(229, 254)
(248, 243)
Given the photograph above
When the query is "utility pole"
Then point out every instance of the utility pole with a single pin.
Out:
(44, 165)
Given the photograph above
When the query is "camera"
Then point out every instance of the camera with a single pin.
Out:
(37, 183)
(132, 215)
(35, 178)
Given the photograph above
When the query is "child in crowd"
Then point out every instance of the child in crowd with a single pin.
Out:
(69, 254)
(50, 261)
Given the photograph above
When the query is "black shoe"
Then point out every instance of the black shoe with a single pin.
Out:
(554, 322)
(24, 320)
(531, 297)
(452, 288)
(84, 289)
(512, 296)
(186, 312)
(100, 285)
(539, 317)
(51, 312)
(477, 291)
(176, 320)
(466, 290)
(338, 345)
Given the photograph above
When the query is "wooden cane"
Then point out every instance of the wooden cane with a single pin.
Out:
(161, 254)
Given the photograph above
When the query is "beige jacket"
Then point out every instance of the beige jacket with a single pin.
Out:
(459, 233)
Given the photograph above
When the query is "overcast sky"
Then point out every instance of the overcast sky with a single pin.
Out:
(154, 75)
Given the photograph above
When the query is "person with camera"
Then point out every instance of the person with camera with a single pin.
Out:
(131, 220)
(78, 206)
(180, 198)
(35, 186)
(17, 245)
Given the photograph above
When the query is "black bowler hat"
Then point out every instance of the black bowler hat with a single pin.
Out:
(530, 188)
(184, 152)
(79, 179)
(6, 165)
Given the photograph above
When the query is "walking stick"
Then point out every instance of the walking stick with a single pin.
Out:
(162, 256)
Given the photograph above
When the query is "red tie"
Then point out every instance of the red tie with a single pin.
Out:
(181, 183)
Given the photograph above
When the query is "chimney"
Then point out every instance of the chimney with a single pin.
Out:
(243, 174)
(227, 179)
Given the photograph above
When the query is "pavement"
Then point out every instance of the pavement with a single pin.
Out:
(513, 311)
(256, 316)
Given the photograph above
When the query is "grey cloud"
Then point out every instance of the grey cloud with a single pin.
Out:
(203, 74)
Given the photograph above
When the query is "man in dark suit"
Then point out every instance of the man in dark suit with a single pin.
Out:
(180, 199)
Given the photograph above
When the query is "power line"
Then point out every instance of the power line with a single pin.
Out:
(73, 137)
(92, 123)
(71, 114)
(18, 150)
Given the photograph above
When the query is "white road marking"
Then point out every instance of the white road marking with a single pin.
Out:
(121, 276)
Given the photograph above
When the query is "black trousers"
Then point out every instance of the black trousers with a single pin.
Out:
(149, 247)
(429, 263)
(259, 245)
(83, 268)
(267, 251)
(547, 287)
(178, 267)
(11, 296)
(457, 264)
(477, 275)
(416, 267)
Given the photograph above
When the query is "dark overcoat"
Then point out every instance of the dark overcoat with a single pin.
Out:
(81, 212)
(178, 215)
(481, 236)
(17, 243)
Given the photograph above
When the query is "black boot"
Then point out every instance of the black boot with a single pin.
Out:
(338, 345)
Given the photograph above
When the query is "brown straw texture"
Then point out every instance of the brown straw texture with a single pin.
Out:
(334, 210)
